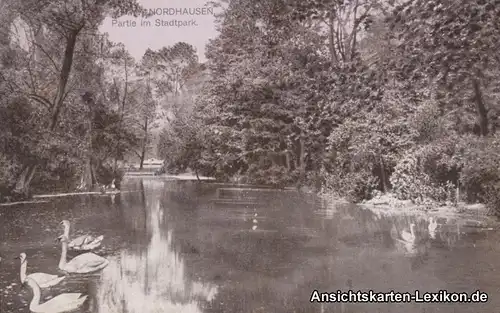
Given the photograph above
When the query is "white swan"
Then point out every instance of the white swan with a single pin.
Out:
(408, 240)
(111, 186)
(65, 302)
(42, 279)
(432, 227)
(83, 242)
(409, 237)
(81, 264)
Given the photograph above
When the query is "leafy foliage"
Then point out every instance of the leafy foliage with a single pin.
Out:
(52, 127)
(352, 97)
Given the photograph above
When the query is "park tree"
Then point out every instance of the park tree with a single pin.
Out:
(168, 69)
(281, 89)
(61, 21)
(121, 74)
(451, 46)
(143, 116)
(184, 141)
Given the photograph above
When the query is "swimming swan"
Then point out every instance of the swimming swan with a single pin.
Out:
(43, 280)
(408, 240)
(409, 237)
(65, 302)
(84, 242)
(81, 264)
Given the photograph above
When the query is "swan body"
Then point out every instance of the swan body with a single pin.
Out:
(409, 248)
(84, 242)
(432, 227)
(82, 264)
(111, 186)
(408, 240)
(409, 237)
(42, 279)
(65, 302)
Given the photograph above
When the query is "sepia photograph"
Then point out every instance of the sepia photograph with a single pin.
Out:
(243, 156)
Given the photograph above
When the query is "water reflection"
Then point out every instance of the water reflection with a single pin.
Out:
(266, 251)
(443, 232)
(151, 278)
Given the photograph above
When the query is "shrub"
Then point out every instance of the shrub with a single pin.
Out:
(59, 174)
(422, 175)
(480, 176)
(354, 186)
(276, 176)
(8, 170)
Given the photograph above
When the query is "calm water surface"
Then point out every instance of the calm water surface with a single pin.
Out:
(187, 247)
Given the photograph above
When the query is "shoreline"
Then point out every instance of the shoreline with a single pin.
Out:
(382, 205)
(34, 198)
(388, 205)
(166, 176)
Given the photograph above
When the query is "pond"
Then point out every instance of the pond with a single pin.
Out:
(184, 246)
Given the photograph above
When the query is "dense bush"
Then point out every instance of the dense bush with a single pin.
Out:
(480, 175)
(8, 170)
(354, 186)
(106, 173)
(273, 175)
(59, 177)
(411, 182)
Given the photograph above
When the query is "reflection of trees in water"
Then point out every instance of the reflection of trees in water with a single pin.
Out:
(182, 194)
(153, 279)
(134, 205)
(446, 232)
(365, 228)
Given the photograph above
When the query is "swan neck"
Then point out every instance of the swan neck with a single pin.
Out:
(24, 266)
(64, 252)
(35, 301)
(66, 231)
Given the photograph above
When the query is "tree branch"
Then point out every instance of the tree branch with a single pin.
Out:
(41, 100)
(39, 46)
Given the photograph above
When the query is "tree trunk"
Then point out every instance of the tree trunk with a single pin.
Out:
(87, 177)
(88, 170)
(331, 39)
(302, 159)
(24, 180)
(144, 144)
(143, 155)
(354, 34)
(64, 76)
(482, 112)
(122, 113)
(382, 173)
(287, 160)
